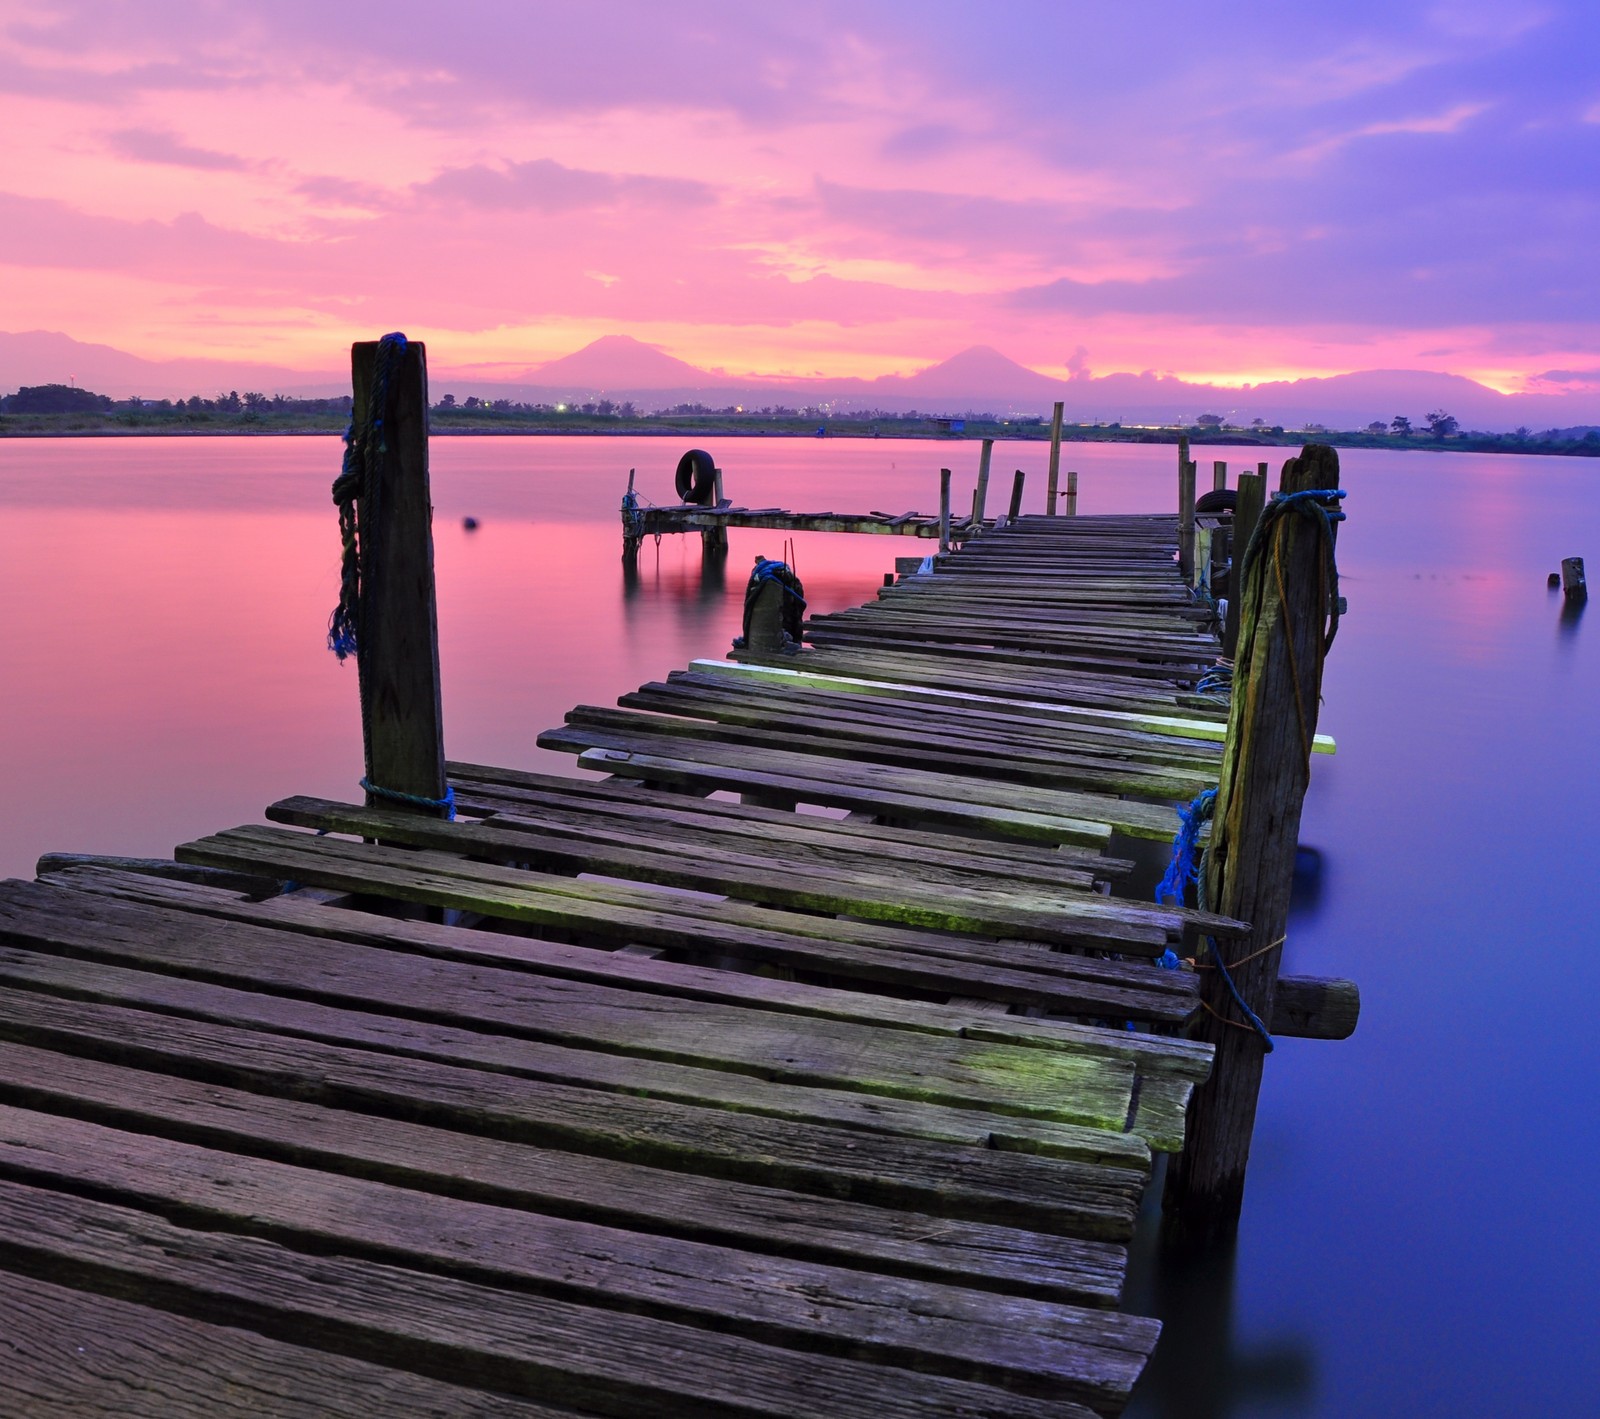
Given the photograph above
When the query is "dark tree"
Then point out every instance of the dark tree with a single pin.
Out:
(1400, 426)
(56, 399)
(1441, 425)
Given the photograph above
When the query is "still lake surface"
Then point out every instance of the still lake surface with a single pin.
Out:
(1420, 1233)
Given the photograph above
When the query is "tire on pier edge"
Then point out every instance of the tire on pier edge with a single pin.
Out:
(696, 477)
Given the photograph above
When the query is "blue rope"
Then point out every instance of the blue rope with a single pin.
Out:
(364, 450)
(1184, 867)
(632, 517)
(768, 570)
(1216, 681)
(414, 800)
(1233, 990)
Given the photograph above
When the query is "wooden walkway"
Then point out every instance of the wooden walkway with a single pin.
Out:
(617, 1098)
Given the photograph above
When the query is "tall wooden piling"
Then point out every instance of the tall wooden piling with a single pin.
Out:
(1246, 513)
(944, 509)
(1186, 476)
(398, 657)
(1015, 510)
(1072, 492)
(980, 494)
(1055, 459)
(1219, 475)
(1249, 864)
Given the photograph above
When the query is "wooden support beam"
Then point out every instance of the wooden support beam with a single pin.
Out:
(1055, 460)
(1246, 513)
(1315, 1008)
(944, 510)
(1072, 492)
(1249, 864)
(980, 495)
(401, 717)
(1219, 475)
(1015, 511)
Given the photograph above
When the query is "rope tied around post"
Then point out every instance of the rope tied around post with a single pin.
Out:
(414, 800)
(1217, 682)
(632, 516)
(767, 569)
(1186, 868)
(363, 448)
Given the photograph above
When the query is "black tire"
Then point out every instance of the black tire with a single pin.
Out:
(696, 477)
(1217, 500)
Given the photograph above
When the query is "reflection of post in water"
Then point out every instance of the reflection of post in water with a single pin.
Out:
(1198, 1371)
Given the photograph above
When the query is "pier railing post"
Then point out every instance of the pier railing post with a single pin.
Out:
(1055, 459)
(1249, 863)
(398, 638)
(1015, 510)
(1072, 492)
(944, 509)
(980, 494)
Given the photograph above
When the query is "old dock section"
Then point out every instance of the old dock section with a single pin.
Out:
(644, 1094)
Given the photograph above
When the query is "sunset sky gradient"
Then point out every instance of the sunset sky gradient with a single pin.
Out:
(1225, 192)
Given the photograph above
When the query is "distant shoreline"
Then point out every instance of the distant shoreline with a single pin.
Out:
(690, 427)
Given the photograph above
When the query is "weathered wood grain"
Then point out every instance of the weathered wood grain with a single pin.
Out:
(515, 1343)
(454, 1163)
(1014, 1342)
(72, 1354)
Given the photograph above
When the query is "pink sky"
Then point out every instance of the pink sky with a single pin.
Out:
(1226, 192)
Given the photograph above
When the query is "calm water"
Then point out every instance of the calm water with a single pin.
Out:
(1420, 1233)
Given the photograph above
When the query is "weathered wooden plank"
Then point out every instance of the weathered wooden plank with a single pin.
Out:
(677, 810)
(1000, 909)
(72, 1354)
(1014, 1342)
(1000, 760)
(616, 1193)
(417, 1073)
(610, 1363)
(1150, 1054)
(1055, 815)
(1070, 1088)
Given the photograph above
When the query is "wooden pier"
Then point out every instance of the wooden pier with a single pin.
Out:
(645, 1094)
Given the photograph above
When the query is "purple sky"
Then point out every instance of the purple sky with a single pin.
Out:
(1227, 192)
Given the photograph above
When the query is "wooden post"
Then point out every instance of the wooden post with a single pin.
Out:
(1246, 513)
(1249, 864)
(1263, 471)
(630, 542)
(398, 637)
(1016, 496)
(1573, 585)
(766, 620)
(1219, 475)
(980, 494)
(1186, 475)
(1072, 492)
(944, 509)
(714, 540)
(1055, 460)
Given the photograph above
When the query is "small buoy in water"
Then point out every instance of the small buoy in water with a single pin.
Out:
(1554, 580)
(470, 523)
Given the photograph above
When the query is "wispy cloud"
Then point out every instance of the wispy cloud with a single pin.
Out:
(151, 145)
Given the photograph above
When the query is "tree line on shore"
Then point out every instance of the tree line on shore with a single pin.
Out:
(62, 408)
